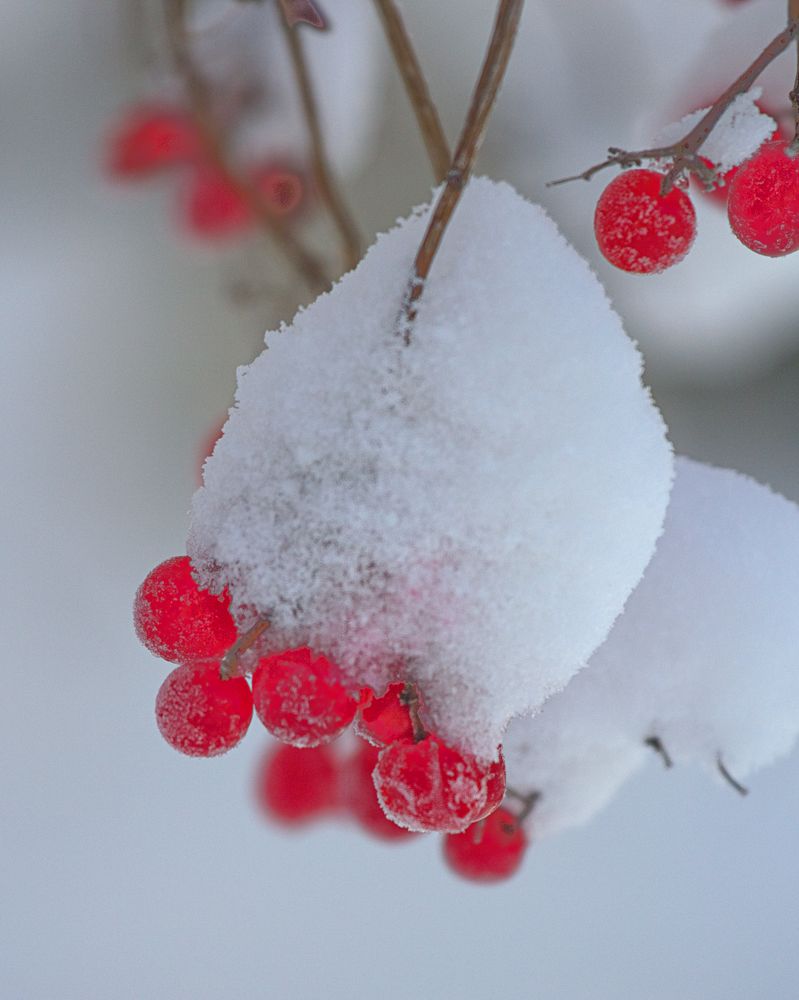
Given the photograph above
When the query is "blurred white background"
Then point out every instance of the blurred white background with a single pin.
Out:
(127, 871)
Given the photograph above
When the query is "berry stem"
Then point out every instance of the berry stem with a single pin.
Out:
(416, 87)
(495, 63)
(326, 184)
(793, 17)
(656, 744)
(200, 98)
(685, 153)
(229, 666)
(410, 698)
(739, 788)
(528, 802)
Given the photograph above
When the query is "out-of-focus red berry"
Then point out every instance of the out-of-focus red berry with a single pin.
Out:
(151, 138)
(429, 786)
(178, 621)
(214, 208)
(489, 851)
(295, 786)
(301, 698)
(763, 206)
(200, 714)
(638, 229)
(282, 189)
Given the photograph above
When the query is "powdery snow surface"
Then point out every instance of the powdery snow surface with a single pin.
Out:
(470, 511)
(739, 133)
(704, 656)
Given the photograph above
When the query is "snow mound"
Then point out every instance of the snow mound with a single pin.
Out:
(470, 511)
(740, 132)
(704, 656)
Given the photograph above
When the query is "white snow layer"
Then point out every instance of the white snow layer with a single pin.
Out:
(704, 656)
(740, 132)
(470, 511)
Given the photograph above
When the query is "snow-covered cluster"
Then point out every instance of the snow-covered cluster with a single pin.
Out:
(470, 511)
(704, 657)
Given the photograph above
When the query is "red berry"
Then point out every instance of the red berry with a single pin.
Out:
(281, 189)
(152, 138)
(489, 851)
(385, 719)
(638, 229)
(359, 796)
(214, 207)
(720, 193)
(176, 620)
(200, 714)
(495, 786)
(429, 786)
(296, 785)
(301, 698)
(763, 205)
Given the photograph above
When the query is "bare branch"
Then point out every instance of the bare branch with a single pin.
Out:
(739, 788)
(793, 16)
(656, 744)
(494, 65)
(684, 154)
(306, 263)
(326, 185)
(416, 86)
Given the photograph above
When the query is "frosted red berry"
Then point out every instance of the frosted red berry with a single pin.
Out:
(360, 798)
(199, 713)
(178, 621)
(763, 205)
(489, 851)
(295, 786)
(150, 139)
(640, 230)
(385, 719)
(429, 786)
(301, 697)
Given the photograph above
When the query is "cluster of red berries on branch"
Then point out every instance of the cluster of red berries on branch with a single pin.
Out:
(402, 778)
(151, 139)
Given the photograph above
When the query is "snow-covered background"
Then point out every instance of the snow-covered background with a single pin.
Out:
(129, 872)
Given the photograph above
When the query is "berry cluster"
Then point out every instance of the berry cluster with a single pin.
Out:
(153, 138)
(403, 778)
(643, 231)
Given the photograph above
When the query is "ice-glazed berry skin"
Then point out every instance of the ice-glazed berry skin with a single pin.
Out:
(199, 713)
(151, 138)
(489, 851)
(763, 204)
(301, 697)
(178, 621)
(359, 797)
(428, 786)
(640, 230)
(296, 786)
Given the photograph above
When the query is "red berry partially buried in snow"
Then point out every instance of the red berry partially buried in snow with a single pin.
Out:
(301, 697)
(149, 139)
(640, 230)
(200, 714)
(489, 851)
(295, 786)
(385, 719)
(429, 786)
(359, 796)
(178, 621)
(763, 205)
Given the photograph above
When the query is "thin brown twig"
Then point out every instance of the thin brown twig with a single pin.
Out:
(656, 743)
(739, 788)
(306, 263)
(229, 666)
(793, 16)
(495, 63)
(416, 86)
(685, 153)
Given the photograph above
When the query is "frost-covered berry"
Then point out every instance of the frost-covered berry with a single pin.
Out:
(489, 851)
(429, 786)
(294, 785)
(359, 796)
(201, 714)
(763, 205)
(178, 621)
(640, 230)
(149, 139)
(385, 719)
(301, 698)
